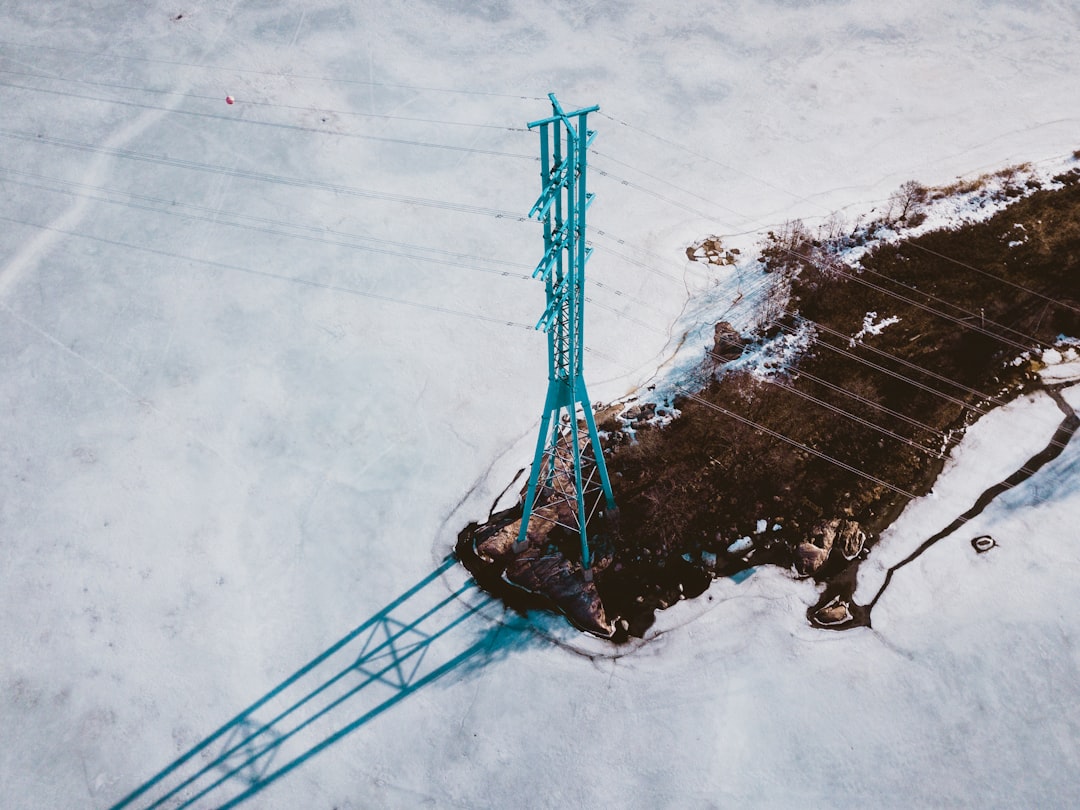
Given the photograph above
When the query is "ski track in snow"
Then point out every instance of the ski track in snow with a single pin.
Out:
(36, 247)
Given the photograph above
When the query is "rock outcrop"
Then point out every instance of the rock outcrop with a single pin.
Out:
(837, 536)
(728, 344)
(542, 569)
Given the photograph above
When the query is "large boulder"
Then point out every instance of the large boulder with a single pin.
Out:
(564, 584)
(850, 539)
(640, 413)
(497, 546)
(727, 345)
(835, 612)
(810, 557)
(836, 536)
(815, 551)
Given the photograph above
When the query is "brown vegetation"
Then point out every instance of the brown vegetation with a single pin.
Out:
(803, 468)
(687, 492)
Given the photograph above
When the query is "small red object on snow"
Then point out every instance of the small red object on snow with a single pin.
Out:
(229, 99)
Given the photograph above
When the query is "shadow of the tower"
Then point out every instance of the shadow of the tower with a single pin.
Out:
(422, 635)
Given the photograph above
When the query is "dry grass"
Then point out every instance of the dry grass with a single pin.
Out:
(689, 490)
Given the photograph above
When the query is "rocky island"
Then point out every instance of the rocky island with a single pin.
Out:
(797, 442)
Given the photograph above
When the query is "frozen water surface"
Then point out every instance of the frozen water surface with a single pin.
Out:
(261, 361)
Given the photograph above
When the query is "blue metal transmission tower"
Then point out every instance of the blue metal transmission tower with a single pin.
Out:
(563, 487)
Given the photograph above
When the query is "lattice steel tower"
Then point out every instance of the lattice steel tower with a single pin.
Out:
(563, 487)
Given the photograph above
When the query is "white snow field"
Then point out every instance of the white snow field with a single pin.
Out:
(261, 361)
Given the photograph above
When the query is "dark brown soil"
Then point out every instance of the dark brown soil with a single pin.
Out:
(970, 300)
(688, 491)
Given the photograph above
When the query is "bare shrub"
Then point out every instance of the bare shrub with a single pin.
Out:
(907, 203)
(786, 248)
(794, 252)
(774, 302)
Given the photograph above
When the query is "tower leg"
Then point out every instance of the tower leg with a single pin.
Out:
(583, 516)
(553, 444)
(565, 467)
(598, 451)
(534, 475)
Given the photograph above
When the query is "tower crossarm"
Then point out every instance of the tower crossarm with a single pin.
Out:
(557, 243)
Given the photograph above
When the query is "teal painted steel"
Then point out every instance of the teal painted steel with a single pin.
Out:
(572, 463)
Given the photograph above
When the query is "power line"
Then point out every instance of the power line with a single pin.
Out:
(267, 104)
(988, 274)
(975, 408)
(278, 125)
(352, 191)
(931, 310)
(901, 377)
(760, 223)
(636, 262)
(829, 406)
(813, 451)
(705, 157)
(893, 294)
(928, 388)
(773, 433)
(276, 73)
(620, 180)
(967, 324)
(906, 363)
(801, 373)
(623, 182)
(217, 216)
(882, 289)
(751, 423)
(967, 312)
(901, 361)
(844, 412)
(818, 327)
(311, 233)
(276, 276)
(796, 443)
(853, 417)
(630, 184)
(667, 182)
(841, 411)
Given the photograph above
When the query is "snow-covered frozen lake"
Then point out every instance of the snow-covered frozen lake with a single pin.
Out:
(261, 361)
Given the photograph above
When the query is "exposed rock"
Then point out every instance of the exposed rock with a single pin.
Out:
(836, 612)
(727, 345)
(544, 570)
(809, 558)
(564, 584)
(850, 539)
(498, 546)
(711, 250)
(840, 536)
(812, 553)
(640, 412)
(606, 415)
